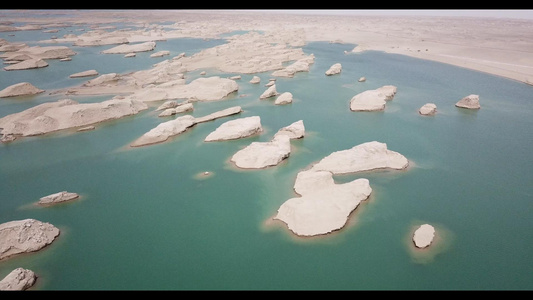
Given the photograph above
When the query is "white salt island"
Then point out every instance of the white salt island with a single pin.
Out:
(469, 102)
(325, 206)
(236, 129)
(18, 280)
(20, 89)
(373, 100)
(423, 236)
(259, 155)
(24, 236)
(58, 198)
(64, 114)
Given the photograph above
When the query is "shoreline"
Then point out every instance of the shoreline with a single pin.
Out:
(498, 46)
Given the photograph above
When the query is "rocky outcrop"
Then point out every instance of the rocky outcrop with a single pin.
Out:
(12, 47)
(301, 65)
(428, 109)
(284, 98)
(20, 89)
(334, 69)
(249, 53)
(236, 129)
(48, 52)
(84, 74)
(101, 40)
(255, 80)
(33, 63)
(131, 48)
(259, 155)
(210, 88)
(164, 131)
(325, 206)
(64, 114)
(202, 89)
(18, 280)
(179, 125)
(25, 236)
(219, 114)
(423, 236)
(176, 110)
(160, 53)
(108, 78)
(168, 104)
(270, 92)
(58, 198)
(470, 102)
(372, 100)
(295, 130)
(363, 157)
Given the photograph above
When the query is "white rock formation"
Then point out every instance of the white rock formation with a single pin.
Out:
(100, 40)
(363, 157)
(210, 88)
(129, 48)
(284, 98)
(219, 114)
(334, 69)
(372, 100)
(301, 65)
(259, 155)
(64, 114)
(24, 236)
(270, 92)
(18, 280)
(428, 109)
(270, 83)
(48, 52)
(84, 74)
(168, 104)
(20, 89)
(160, 53)
(236, 129)
(165, 130)
(470, 102)
(255, 80)
(176, 110)
(295, 130)
(58, 198)
(201, 89)
(103, 79)
(179, 125)
(33, 63)
(423, 235)
(12, 47)
(249, 53)
(325, 206)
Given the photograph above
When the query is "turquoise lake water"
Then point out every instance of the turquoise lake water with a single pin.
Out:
(147, 221)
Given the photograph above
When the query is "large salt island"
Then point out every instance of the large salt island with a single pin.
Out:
(25, 236)
(324, 206)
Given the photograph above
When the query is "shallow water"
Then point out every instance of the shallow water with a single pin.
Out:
(147, 219)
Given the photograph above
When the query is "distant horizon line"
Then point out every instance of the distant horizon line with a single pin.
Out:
(487, 13)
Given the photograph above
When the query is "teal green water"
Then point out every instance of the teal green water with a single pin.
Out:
(147, 222)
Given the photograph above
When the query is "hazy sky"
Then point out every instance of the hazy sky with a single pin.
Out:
(497, 13)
